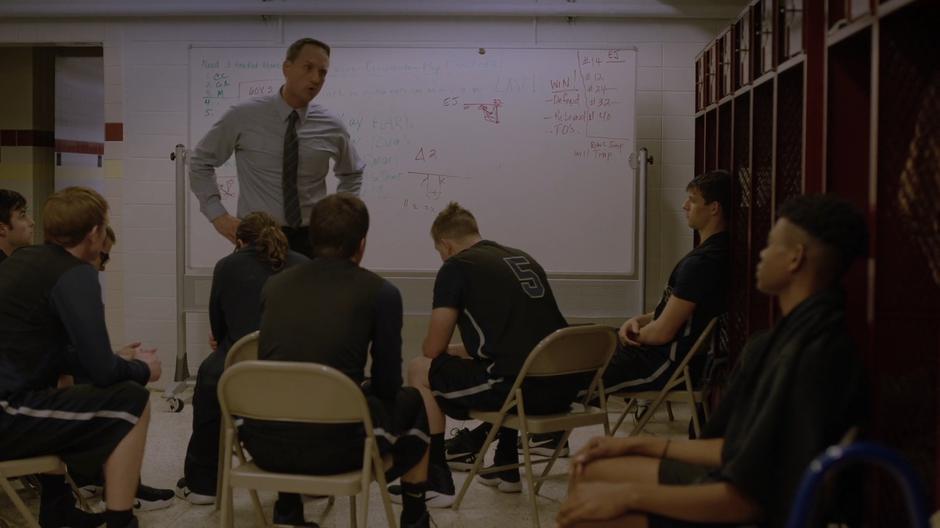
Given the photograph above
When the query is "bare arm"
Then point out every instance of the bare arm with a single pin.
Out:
(440, 330)
(718, 502)
(700, 452)
(706, 452)
(645, 319)
(631, 328)
(664, 328)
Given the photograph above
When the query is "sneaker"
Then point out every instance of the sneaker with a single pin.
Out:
(149, 499)
(290, 511)
(183, 492)
(90, 491)
(57, 505)
(440, 493)
(59, 510)
(462, 447)
(545, 444)
(133, 523)
(505, 481)
(68, 516)
(423, 522)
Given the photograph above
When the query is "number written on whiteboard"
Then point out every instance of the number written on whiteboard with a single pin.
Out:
(529, 280)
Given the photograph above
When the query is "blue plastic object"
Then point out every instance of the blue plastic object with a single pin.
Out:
(837, 456)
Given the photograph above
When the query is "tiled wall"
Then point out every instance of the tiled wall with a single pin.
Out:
(146, 86)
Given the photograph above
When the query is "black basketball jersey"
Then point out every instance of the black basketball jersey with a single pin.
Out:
(701, 277)
(505, 302)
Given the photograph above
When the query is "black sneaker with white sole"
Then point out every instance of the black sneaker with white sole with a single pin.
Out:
(505, 481)
(440, 493)
(148, 499)
(462, 447)
(198, 499)
(545, 444)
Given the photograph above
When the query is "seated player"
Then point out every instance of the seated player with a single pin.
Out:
(147, 498)
(50, 299)
(333, 312)
(697, 291)
(16, 227)
(500, 299)
(782, 408)
(261, 251)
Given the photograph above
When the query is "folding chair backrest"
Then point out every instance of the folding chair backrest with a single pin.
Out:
(571, 350)
(715, 370)
(704, 340)
(292, 392)
(245, 349)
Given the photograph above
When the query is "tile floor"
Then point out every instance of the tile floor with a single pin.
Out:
(482, 507)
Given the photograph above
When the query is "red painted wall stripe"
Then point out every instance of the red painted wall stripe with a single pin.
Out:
(79, 147)
(27, 138)
(114, 131)
(46, 138)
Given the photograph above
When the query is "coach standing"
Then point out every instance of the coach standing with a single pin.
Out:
(282, 145)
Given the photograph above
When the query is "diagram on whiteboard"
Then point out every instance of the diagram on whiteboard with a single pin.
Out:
(490, 110)
(432, 183)
(524, 138)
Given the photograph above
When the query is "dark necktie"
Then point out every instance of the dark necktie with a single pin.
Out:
(289, 177)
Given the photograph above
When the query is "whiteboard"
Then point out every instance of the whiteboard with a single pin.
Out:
(537, 143)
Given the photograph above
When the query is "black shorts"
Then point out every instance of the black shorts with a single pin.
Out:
(82, 424)
(460, 385)
(400, 427)
(645, 368)
(638, 369)
(675, 473)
